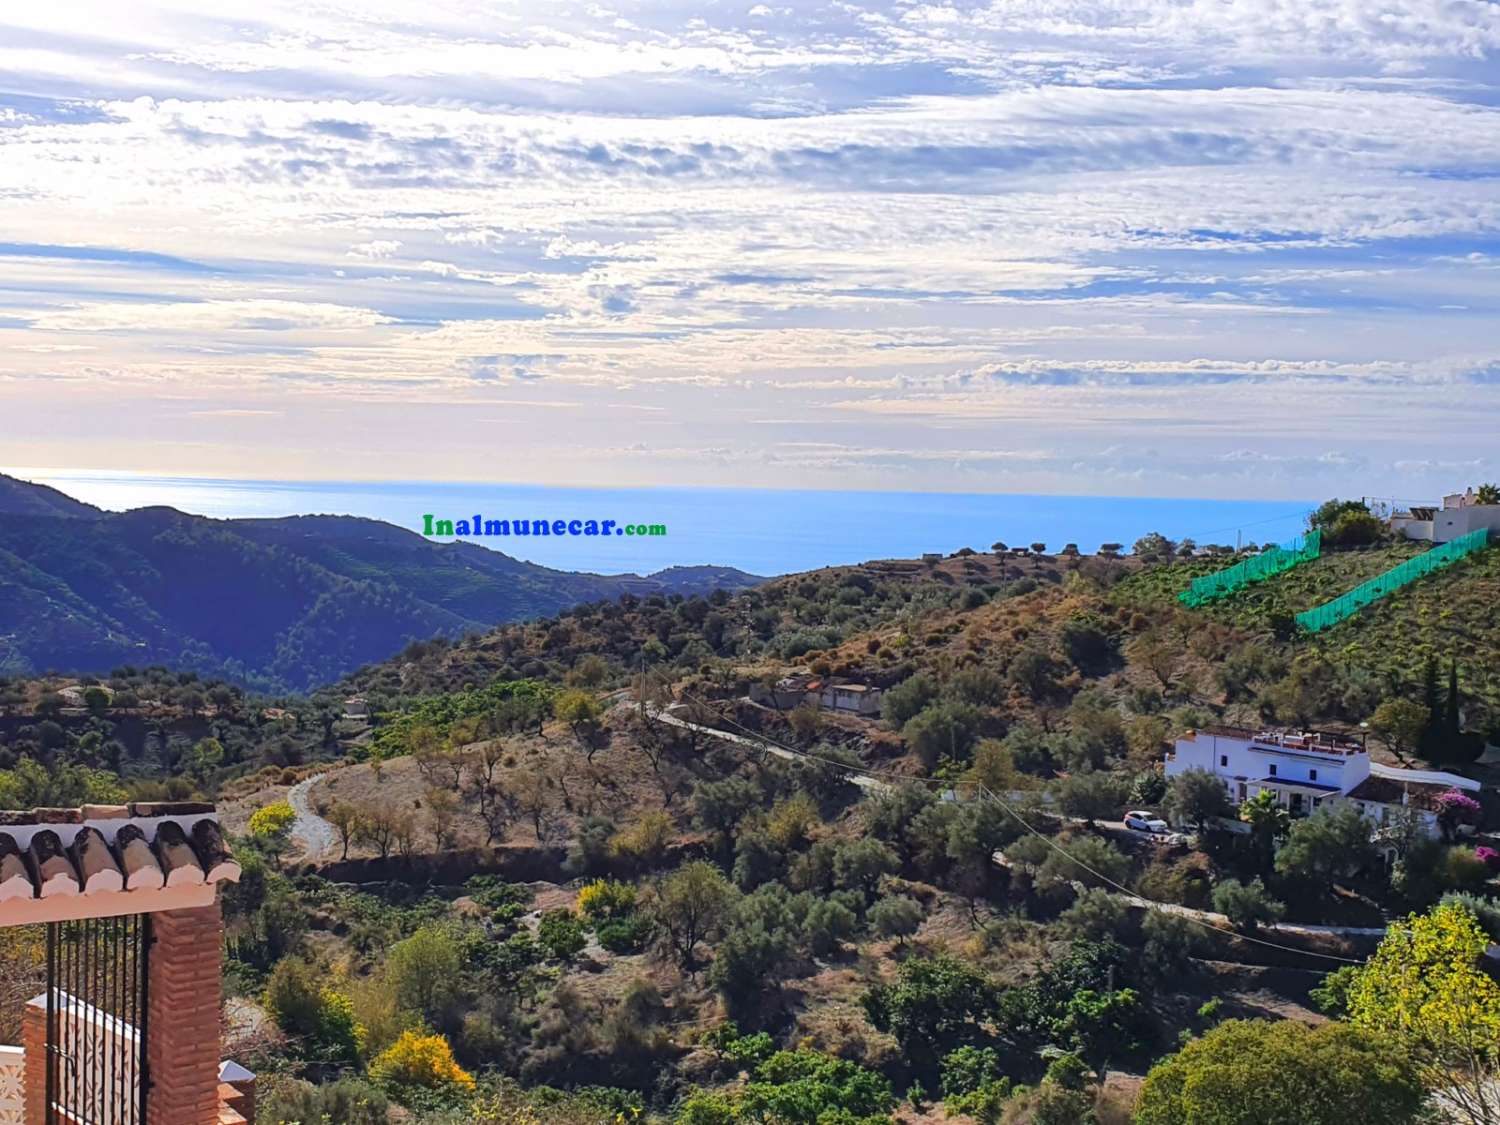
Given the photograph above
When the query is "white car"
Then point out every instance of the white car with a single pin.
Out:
(1138, 821)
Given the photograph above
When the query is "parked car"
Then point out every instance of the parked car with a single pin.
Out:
(1143, 822)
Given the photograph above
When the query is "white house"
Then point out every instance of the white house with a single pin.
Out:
(859, 699)
(1460, 514)
(355, 707)
(1307, 768)
(801, 687)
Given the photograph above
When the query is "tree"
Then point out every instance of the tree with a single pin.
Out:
(346, 820)
(860, 864)
(1089, 860)
(896, 916)
(442, 811)
(1195, 797)
(1452, 721)
(943, 729)
(208, 755)
(1152, 545)
(934, 1005)
(1327, 513)
(1246, 905)
(424, 971)
(692, 903)
(1253, 1072)
(1425, 989)
(1094, 795)
(1334, 842)
(377, 827)
(1400, 724)
(1268, 823)
(582, 712)
(1487, 494)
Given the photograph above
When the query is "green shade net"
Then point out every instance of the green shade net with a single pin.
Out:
(1267, 564)
(1347, 605)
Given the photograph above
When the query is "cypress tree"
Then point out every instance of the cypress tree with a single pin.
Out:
(1431, 695)
(1451, 722)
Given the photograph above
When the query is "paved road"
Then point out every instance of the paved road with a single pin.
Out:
(873, 785)
(317, 835)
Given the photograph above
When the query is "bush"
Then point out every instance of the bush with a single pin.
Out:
(349, 1101)
(420, 1062)
(274, 822)
(303, 1006)
(645, 842)
(560, 933)
(1246, 905)
(625, 935)
(606, 899)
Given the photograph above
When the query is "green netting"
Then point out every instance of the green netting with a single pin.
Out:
(1267, 564)
(1347, 605)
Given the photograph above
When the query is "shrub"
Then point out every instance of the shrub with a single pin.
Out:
(560, 933)
(274, 822)
(1246, 905)
(349, 1101)
(625, 935)
(422, 1062)
(645, 842)
(606, 899)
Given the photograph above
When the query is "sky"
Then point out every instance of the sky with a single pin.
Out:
(1212, 248)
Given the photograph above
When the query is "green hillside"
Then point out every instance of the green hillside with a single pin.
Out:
(275, 604)
(1454, 614)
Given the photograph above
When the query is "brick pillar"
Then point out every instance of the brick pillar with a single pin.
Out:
(182, 1035)
(34, 1043)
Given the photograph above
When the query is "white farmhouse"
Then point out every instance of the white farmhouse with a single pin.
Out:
(858, 699)
(1305, 769)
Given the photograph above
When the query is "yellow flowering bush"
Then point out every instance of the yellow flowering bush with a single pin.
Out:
(273, 821)
(604, 899)
(418, 1060)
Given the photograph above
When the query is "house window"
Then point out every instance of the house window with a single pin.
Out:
(1273, 771)
(1223, 759)
(1312, 775)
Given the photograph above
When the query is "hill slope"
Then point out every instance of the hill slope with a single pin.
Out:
(276, 603)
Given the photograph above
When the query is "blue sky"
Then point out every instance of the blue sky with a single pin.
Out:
(1239, 248)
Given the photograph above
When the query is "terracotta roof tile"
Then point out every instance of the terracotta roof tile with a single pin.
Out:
(46, 852)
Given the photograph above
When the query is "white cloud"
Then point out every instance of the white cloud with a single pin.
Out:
(1135, 218)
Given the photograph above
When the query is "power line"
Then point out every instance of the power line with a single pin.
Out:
(1166, 908)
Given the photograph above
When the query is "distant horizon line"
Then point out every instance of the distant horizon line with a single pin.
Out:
(40, 475)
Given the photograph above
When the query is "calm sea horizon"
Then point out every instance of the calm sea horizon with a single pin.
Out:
(764, 531)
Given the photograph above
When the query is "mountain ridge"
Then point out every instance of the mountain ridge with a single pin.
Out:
(284, 603)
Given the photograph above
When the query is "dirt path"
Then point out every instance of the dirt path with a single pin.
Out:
(317, 835)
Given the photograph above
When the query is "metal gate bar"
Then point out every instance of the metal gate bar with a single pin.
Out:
(97, 971)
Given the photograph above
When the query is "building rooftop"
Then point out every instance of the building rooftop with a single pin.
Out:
(1316, 741)
(1388, 791)
(121, 857)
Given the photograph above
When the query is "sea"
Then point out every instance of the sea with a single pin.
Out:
(763, 531)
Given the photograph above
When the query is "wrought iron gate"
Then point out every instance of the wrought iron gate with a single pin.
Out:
(96, 1020)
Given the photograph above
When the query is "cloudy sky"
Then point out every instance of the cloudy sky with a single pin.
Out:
(1242, 248)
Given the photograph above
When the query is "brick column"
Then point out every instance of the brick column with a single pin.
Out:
(34, 1043)
(182, 1035)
